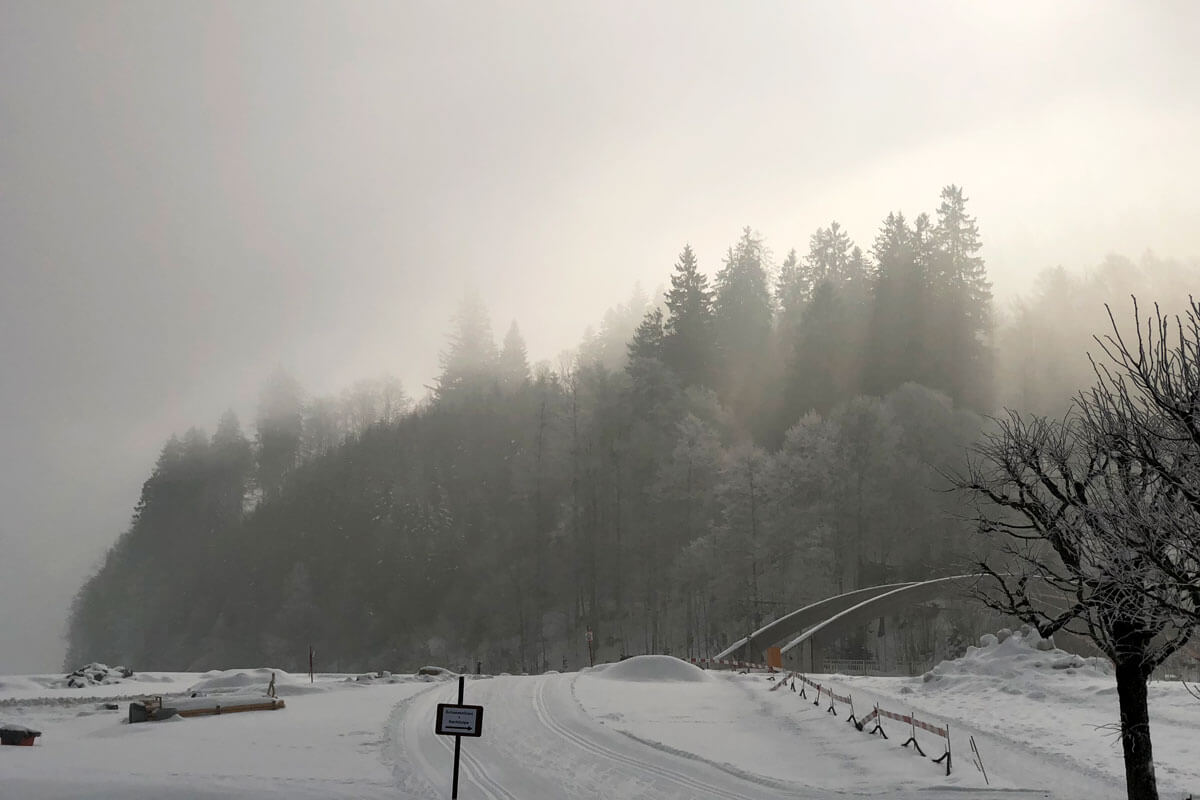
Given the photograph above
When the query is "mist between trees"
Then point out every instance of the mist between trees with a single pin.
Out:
(705, 460)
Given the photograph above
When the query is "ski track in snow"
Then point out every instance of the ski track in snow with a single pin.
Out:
(540, 742)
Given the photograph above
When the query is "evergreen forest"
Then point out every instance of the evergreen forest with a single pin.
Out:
(767, 432)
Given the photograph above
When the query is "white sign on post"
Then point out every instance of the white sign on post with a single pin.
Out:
(459, 720)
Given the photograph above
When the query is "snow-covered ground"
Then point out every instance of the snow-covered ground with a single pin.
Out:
(652, 727)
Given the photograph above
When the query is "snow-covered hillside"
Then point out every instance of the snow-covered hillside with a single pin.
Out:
(651, 727)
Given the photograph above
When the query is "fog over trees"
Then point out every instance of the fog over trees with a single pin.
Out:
(764, 432)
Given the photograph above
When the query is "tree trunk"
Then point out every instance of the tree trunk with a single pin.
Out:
(1135, 731)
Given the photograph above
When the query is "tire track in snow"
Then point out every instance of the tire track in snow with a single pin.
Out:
(680, 779)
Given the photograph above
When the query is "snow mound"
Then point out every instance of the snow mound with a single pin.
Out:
(18, 683)
(436, 672)
(1017, 658)
(242, 681)
(654, 669)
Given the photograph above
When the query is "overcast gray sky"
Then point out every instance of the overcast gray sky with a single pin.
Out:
(194, 193)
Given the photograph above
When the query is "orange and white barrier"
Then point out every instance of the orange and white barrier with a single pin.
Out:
(876, 716)
(726, 663)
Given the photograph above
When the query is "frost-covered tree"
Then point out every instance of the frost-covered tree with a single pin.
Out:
(1097, 516)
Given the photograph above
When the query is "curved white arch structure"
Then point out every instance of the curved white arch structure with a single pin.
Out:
(748, 648)
(837, 615)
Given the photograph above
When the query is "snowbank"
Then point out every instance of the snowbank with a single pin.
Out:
(654, 669)
(11, 684)
(1020, 659)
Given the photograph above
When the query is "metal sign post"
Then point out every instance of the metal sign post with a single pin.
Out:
(458, 721)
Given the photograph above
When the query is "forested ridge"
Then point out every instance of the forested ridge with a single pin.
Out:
(749, 443)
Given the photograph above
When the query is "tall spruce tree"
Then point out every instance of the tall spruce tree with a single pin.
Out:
(513, 363)
(469, 360)
(233, 464)
(896, 343)
(689, 343)
(790, 294)
(743, 314)
(816, 373)
(280, 429)
(964, 296)
(828, 258)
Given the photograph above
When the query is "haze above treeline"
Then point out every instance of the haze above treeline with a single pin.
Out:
(194, 196)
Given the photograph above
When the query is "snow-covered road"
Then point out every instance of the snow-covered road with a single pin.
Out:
(539, 743)
(712, 741)
(651, 728)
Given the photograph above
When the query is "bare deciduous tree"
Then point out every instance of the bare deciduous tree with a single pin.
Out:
(1095, 517)
(1146, 407)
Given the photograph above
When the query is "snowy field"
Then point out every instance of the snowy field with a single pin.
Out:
(651, 727)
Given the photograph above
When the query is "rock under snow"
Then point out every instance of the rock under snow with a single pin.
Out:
(95, 674)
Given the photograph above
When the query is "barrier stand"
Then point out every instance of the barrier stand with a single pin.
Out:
(877, 716)
(946, 755)
(878, 722)
(793, 685)
(912, 739)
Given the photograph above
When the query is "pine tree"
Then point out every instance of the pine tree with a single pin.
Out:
(856, 287)
(689, 344)
(828, 258)
(648, 339)
(469, 361)
(896, 343)
(790, 294)
(513, 364)
(965, 303)
(234, 463)
(816, 373)
(743, 314)
(280, 427)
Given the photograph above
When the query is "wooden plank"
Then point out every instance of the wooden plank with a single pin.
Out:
(217, 708)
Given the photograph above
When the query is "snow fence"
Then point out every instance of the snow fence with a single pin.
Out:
(876, 715)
